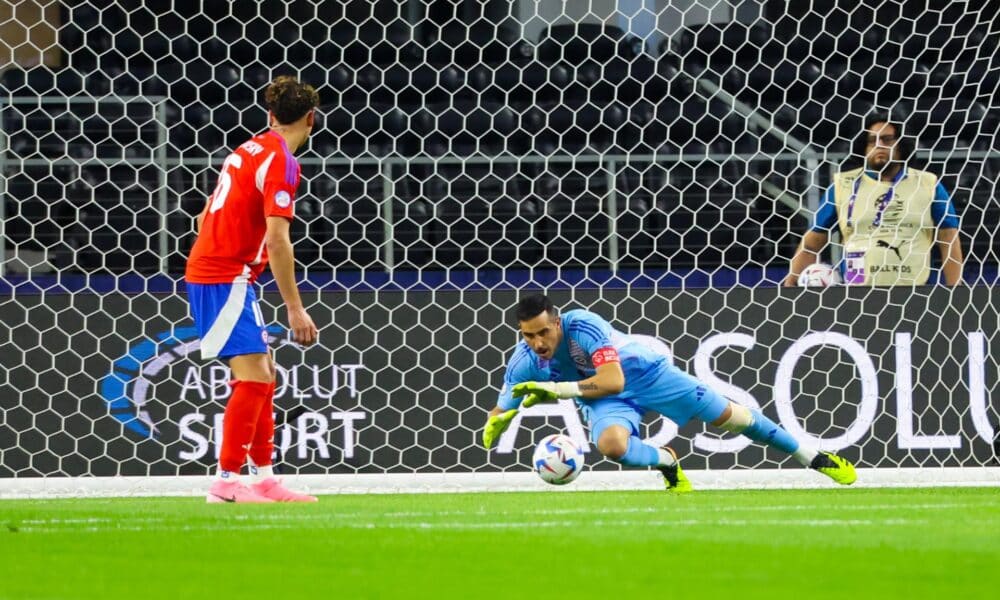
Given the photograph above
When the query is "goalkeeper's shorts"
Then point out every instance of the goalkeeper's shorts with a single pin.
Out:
(228, 319)
(673, 393)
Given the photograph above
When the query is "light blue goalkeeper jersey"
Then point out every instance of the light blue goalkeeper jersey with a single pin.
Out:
(583, 334)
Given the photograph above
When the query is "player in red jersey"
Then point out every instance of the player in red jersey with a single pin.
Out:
(245, 225)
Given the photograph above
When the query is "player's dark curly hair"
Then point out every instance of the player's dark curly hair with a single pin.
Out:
(531, 306)
(861, 142)
(289, 99)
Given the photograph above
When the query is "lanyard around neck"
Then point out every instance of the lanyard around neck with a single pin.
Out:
(881, 205)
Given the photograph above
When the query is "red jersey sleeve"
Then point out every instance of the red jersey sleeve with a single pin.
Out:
(281, 173)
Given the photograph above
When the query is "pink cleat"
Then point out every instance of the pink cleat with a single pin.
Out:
(234, 491)
(272, 489)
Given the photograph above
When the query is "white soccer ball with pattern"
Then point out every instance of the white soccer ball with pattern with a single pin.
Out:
(819, 275)
(558, 459)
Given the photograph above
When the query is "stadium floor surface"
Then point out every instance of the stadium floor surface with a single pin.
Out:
(836, 543)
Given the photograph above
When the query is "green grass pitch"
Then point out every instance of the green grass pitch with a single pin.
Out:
(802, 544)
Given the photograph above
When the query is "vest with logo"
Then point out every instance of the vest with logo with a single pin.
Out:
(898, 251)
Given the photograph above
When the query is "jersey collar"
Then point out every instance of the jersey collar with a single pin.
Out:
(281, 140)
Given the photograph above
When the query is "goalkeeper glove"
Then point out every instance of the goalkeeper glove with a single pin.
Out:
(531, 393)
(534, 392)
(496, 425)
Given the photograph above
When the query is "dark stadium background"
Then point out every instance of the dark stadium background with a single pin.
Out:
(438, 80)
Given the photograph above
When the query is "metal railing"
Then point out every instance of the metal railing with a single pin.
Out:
(816, 164)
(158, 104)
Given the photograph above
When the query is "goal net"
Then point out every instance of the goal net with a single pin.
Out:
(655, 161)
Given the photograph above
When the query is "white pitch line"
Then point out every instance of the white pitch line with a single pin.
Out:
(674, 509)
(422, 525)
(665, 509)
(527, 513)
(89, 520)
(645, 523)
(342, 520)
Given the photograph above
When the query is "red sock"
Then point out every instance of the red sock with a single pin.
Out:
(240, 421)
(263, 438)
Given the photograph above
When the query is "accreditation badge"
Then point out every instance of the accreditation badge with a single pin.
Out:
(854, 263)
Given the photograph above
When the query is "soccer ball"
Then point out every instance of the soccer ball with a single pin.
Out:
(558, 459)
(819, 275)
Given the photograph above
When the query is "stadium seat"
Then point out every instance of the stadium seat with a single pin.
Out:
(374, 43)
(680, 224)
(180, 137)
(577, 43)
(412, 246)
(119, 223)
(29, 197)
(12, 81)
(817, 121)
(482, 219)
(88, 33)
(183, 48)
(949, 125)
(575, 127)
(521, 85)
(464, 127)
(602, 83)
(309, 229)
(452, 230)
(356, 129)
(233, 124)
(41, 81)
(516, 245)
(461, 44)
(718, 47)
(410, 87)
(681, 124)
(128, 43)
(627, 135)
(186, 80)
(126, 83)
(200, 26)
(944, 42)
(701, 49)
(357, 231)
(573, 225)
(670, 81)
(297, 42)
(633, 137)
(338, 84)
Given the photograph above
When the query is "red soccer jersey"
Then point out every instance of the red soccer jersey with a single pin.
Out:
(257, 181)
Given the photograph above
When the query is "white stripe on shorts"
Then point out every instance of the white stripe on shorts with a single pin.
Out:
(222, 328)
(257, 314)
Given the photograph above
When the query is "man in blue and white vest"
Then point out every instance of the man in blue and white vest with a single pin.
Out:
(889, 216)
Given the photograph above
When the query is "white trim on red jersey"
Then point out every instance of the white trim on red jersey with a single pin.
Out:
(261, 175)
(260, 251)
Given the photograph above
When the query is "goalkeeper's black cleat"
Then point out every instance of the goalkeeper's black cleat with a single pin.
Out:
(836, 468)
(673, 477)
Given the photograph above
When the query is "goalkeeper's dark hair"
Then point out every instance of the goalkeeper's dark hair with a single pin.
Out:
(904, 143)
(289, 99)
(531, 306)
